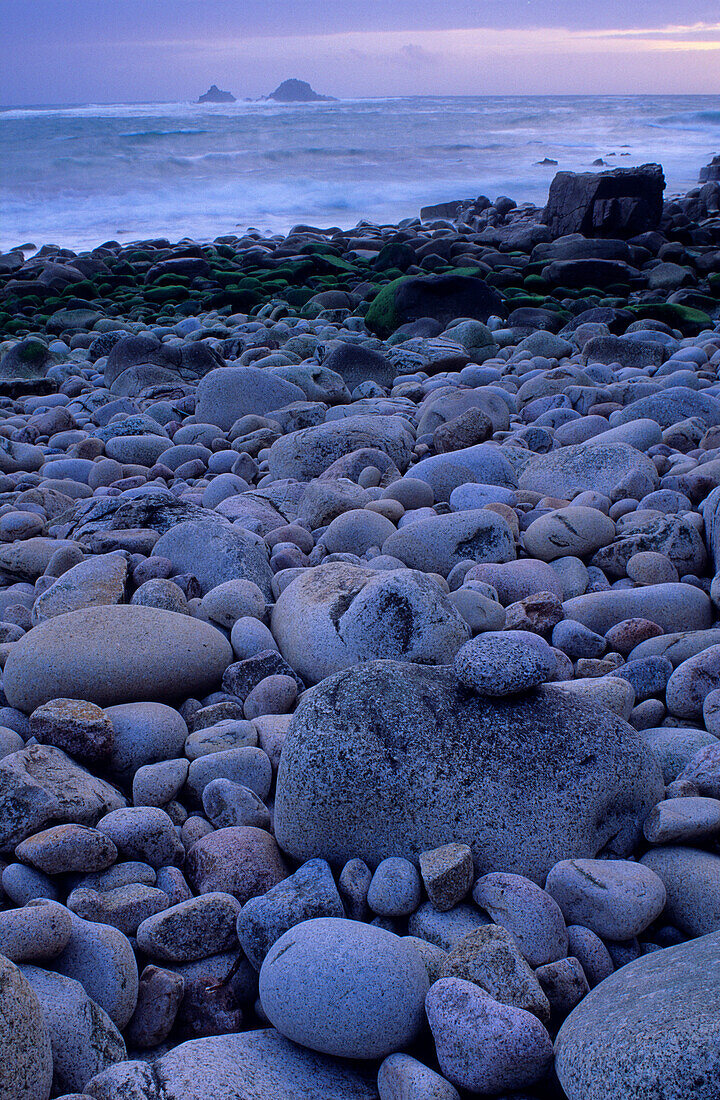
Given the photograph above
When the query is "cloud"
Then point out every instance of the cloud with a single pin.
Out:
(416, 55)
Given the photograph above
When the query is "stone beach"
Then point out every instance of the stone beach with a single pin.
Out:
(360, 651)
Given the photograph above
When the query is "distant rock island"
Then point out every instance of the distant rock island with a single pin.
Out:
(298, 91)
(214, 95)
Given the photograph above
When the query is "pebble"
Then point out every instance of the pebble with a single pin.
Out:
(193, 929)
(529, 913)
(615, 898)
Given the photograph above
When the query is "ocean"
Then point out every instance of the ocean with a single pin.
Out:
(77, 176)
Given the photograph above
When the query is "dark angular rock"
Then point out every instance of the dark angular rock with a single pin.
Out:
(621, 203)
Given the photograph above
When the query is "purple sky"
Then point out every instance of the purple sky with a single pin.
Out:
(59, 51)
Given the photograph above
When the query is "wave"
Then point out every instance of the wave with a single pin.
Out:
(158, 133)
(698, 119)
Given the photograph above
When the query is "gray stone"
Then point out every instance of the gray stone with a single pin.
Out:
(308, 893)
(344, 988)
(226, 804)
(673, 607)
(337, 615)
(594, 465)
(254, 1065)
(436, 544)
(248, 766)
(615, 898)
(532, 916)
(155, 655)
(34, 933)
(678, 820)
(575, 531)
(484, 463)
(26, 1063)
(395, 889)
(348, 778)
(97, 582)
(102, 960)
(692, 681)
(481, 1045)
(504, 663)
(144, 733)
(68, 849)
(491, 959)
(649, 1030)
(224, 395)
(401, 1077)
(144, 833)
(193, 929)
(692, 880)
(447, 874)
(215, 551)
(307, 453)
(84, 1039)
(40, 784)
(445, 930)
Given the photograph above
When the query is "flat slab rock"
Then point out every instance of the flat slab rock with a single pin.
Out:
(390, 759)
(253, 1065)
(648, 1031)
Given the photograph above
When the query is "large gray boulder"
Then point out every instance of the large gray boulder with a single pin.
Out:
(216, 552)
(438, 543)
(224, 395)
(84, 1039)
(394, 759)
(673, 606)
(26, 1064)
(120, 654)
(648, 1031)
(253, 1065)
(307, 453)
(594, 465)
(336, 615)
(620, 203)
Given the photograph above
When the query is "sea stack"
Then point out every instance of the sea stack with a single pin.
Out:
(298, 91)
(215, 95)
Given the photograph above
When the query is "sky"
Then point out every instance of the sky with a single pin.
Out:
(76, 51)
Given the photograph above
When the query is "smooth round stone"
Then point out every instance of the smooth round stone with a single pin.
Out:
(26, 1062)
(158, 784)
(704, 770)
(516, 580)
(484, 1046)
(479, 611)
(677, 820)
(674, 607)
(76, 726)
(65, 849)
(233, 600)
(143, 833)
(247, 765)
(402, 1077)
(692, 681)
(411, 492)
(242, 861)
(23, 884)
(101, 958)
(692, 881)
(144, 733)
(675, 746)
(252, 1065)
(504, 663)
(344, 988)
(650, 1030)
(528, 912)
(34, 933)
(273, 695)
(649, 567)
(591, 953)
(249, 636)
(575, 531)
(231, 733)
(227, 804)
(154, 654)
(474, 495)
(577, 641)
(356, 531)
(161, 593)
(394, 889)
(613, 897)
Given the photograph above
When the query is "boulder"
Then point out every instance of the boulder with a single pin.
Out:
(392, 759)
(26, 1061)
(621, 203)
(216, 552)
(251, 1065)
(648, 1030)
(154, 654)
(594, 466)
(442, 297)
(438, 543)
(307, 453)
(224, 395)
(336, 615)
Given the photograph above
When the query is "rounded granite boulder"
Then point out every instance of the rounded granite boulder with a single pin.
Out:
(392, 759)
(110, 655)
(648, 1030)
(26, 1062)
(344, 988)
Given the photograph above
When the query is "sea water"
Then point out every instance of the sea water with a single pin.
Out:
(79, 175)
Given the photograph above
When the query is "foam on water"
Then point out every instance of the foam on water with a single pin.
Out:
(79, 175)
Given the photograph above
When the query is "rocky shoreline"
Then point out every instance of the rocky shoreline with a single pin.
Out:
(360, 647)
